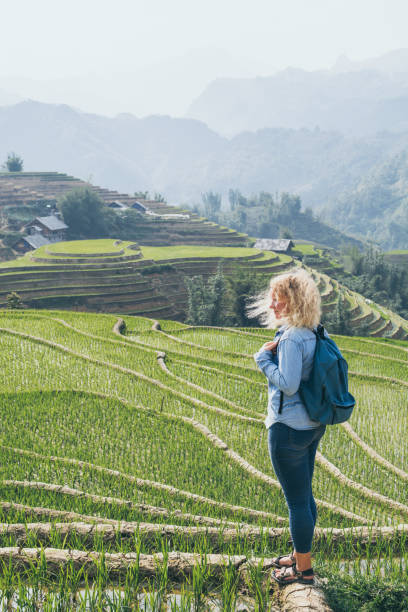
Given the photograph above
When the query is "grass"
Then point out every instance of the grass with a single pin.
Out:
(305, 249)
(142, 444)
(77, 248)
(183, 251)
(188, 260)
(87, 246)
(73, 248)
(371, 593)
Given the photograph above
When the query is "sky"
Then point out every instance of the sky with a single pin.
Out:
(162, 53)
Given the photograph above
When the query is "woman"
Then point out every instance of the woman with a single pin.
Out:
(293, 302)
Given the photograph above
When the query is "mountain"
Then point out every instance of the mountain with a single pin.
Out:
(392, 62)
(377, 205)
(163, 87)
(183, 158)
(125, 153)
(355, 102)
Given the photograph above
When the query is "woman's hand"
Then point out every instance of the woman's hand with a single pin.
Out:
(270, 346)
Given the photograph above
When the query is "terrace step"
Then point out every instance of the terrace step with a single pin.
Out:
(79, 291)
(376, 323)
(53, 283)
(79, 267)
(399, 333)
(88, 260)
(387, 326)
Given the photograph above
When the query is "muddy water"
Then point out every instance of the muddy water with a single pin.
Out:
(112, 600)
(382, 566)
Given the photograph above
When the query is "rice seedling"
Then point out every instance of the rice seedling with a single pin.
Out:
(94, 431)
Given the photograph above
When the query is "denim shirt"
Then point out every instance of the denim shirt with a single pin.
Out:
(284, 371)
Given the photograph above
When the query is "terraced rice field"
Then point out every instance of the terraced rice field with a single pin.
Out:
(377, 321)
(113, 276)
(166, 224)
(397, 257)
(134, 458)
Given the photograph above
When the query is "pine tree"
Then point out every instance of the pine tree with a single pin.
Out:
(217, 288)
(14, 301)
(206, 301)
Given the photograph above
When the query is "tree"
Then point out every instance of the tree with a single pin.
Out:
(236, 198)
(217, 288)
(13, 163)
(289, 206)
(370, 274)
(353, 260)
(244, 285)
(206, 301)
(339, 320)
(85, 214)
(159, 197)
(240, 218)
(212, 204)
(285, 233)
(14, 301)
(199, 301)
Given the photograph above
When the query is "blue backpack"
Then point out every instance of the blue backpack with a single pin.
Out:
(325, 394)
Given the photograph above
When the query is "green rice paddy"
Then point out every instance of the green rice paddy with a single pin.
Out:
(170, 454)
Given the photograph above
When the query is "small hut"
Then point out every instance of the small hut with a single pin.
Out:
(30, 243)
(51, 227)
(279, 245)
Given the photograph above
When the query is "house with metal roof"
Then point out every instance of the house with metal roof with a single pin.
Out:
(51, 227)
(117, 205)
(280, 245)
(139, 206)
(28, 243)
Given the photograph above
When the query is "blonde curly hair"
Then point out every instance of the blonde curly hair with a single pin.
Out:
(301, 294)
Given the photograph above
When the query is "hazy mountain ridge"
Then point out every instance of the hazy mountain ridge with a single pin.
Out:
(165, 87)
(124, 153)
(182, 158)
(358, 102)
(395, 61)
(377, 206)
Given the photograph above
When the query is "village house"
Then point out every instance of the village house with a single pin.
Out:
(279, 245)
(117, 205)
(41, 231)
(29, 243)
(51, 227)
(139, 206)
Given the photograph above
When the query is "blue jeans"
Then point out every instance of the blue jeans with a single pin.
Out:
(292, 453)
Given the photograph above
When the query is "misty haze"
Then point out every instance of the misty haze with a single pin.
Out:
(204, 305)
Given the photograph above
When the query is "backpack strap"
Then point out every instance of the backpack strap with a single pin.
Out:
(280, 403)
(319, 331)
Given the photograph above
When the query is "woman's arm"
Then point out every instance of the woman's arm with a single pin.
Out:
(287, 375)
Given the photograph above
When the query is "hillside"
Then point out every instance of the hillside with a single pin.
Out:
(397, 257)
(183, 158)
(135, 468)
(377, 205)
(115, 276)
(25, 195)
(122, 277)
(265, 215)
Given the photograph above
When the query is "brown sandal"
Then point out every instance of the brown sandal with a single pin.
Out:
(290, 574)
